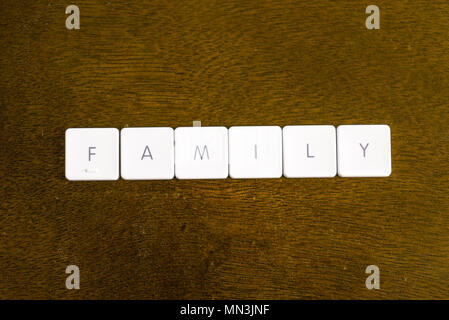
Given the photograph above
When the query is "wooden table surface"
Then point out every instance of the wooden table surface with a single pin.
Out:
(226, 63)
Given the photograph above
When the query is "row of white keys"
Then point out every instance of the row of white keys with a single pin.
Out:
(240, 152)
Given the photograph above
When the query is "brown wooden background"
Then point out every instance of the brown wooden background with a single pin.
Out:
(239, 62)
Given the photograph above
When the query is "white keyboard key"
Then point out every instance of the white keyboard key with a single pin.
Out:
(309, 151)
(147, 153)
(255, 152)
(92, 154)
(201, 152)
(364, 151)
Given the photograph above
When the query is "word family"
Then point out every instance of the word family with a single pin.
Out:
(160, 153)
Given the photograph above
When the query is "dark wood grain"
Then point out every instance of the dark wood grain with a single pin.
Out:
(166, 63)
